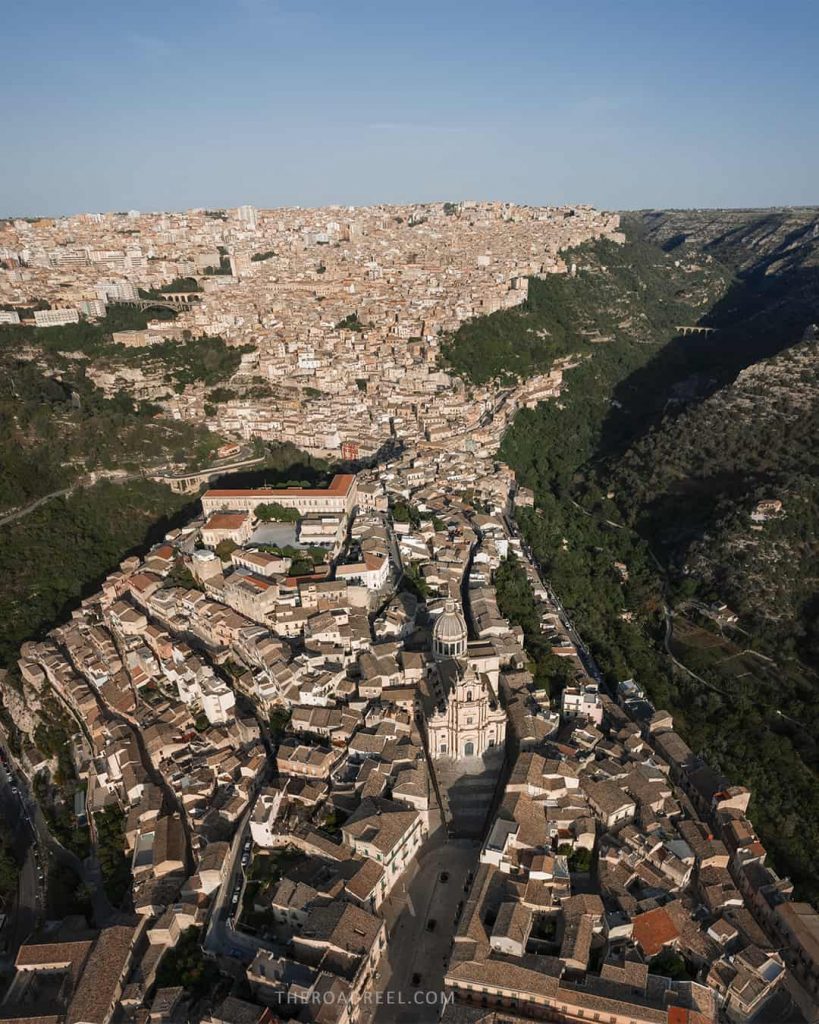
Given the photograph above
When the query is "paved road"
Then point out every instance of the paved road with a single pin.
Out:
(204, 475)
(396, 575)
(413, 949)
(21, 512)
(584, 653)
(25, 909)
(87, 480)
(32, 829)
(121, 476)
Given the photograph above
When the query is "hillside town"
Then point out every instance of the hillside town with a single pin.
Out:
(296, 758)
(339, 313)
(341, 792)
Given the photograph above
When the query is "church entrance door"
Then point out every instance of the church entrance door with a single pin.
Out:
(469, 749)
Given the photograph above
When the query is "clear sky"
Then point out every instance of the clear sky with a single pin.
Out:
(168, 104)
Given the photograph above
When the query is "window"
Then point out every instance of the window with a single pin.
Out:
(469, 695)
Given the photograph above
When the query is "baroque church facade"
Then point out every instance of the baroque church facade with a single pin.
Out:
(468, 719)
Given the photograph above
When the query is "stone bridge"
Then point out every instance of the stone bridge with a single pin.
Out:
(189, 483)
(166, 300)
(694, 329)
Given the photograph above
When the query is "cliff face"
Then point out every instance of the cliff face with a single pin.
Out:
(669, 455)
(750, 241)
(774, 257)
(740, 419)
(693, 484)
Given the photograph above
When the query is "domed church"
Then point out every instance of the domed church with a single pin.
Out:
(449, 637)
(468, 719)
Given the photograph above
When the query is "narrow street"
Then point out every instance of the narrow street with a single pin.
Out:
(35, 846)
(220, 936)
(25, 909)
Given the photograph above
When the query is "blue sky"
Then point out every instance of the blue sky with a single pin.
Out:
(620, 103)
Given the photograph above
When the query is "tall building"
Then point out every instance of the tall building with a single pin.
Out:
(247, 216)
(468, 719)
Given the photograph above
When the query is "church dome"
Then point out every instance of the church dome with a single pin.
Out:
(449, 634)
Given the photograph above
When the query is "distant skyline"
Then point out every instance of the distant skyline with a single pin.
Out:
(623, 105)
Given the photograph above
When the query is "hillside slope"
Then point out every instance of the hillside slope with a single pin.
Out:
(654, 458)
(56, 426)
(631, 293)
(692, 485)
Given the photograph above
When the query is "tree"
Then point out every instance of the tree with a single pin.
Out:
(279, 720)
(181, 576)
(669, 964)
(403, 512)
(186, 965)
(272, 511)
(9, 870)
(580, 860)
(413, 582)
(115, 865)
(350, 323)
(225, 548)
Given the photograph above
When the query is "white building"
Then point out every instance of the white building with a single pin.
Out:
(56, 317)
(263, 827)
(371, 573)
(248, 217)
(582, 702)
(218, 700)
(93, 307)
(468, 720)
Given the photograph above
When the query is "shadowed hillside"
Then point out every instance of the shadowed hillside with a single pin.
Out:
(654, 457)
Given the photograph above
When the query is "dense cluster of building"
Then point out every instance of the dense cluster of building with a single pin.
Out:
(294, 700)
(283, 746)
(342, 310)
(170, 675)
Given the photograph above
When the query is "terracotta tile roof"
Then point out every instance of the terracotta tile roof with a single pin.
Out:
(653, 930)
(225, 521)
